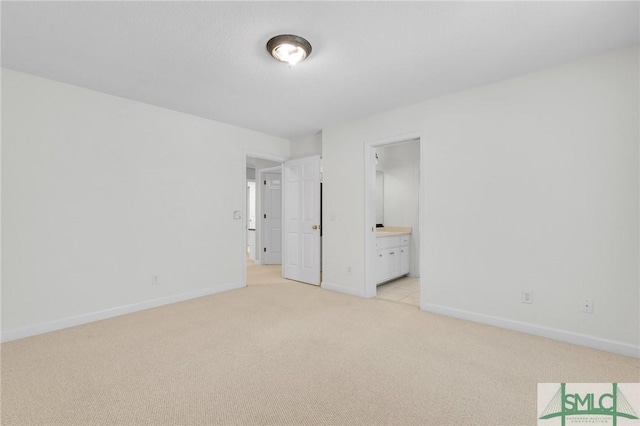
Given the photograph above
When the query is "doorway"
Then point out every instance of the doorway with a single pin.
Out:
(288, 203)
(393, 219)
(263, 235)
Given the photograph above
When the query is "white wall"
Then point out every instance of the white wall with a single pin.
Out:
(100, 193)
(251, 173)
(401, 166)
(306, 146)
(530, 184)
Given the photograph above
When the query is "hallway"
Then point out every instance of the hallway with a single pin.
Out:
(263, 274)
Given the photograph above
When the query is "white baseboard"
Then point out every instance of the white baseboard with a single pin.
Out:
(49, 326)
(537, 330)
(342, 289)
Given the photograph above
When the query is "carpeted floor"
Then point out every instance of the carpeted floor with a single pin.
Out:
(289, 353)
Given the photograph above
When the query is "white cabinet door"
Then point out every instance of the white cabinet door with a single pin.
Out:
(387, 264)
(392, 258)
(394, 262)
(382, 266)
(404, 260)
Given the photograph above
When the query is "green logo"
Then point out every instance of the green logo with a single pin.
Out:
(587, 404)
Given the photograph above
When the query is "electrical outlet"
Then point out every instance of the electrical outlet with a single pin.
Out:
(527, 297)
(155, 280)
(587, 306)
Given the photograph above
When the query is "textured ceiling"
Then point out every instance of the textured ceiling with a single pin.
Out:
(209, 58)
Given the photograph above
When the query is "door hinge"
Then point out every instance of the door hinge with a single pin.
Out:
(265, 182)
(265, 249)
(265, 215)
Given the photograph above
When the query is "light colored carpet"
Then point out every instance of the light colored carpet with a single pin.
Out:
(263, 274)
(289, 353)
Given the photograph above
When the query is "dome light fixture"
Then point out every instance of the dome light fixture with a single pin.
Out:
(289, 48)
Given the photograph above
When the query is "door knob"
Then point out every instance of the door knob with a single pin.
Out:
(314, 227)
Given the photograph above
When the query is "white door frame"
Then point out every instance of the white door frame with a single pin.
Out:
(246, 216)
(245, 211)
(370, 211)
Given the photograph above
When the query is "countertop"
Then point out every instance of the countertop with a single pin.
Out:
(391, 231)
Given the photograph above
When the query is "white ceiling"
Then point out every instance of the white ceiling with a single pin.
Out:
(209, 58)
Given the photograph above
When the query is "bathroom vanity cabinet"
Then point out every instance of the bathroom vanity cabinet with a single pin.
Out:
(392, 256)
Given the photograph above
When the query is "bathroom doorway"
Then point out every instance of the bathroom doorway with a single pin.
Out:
(393, 175)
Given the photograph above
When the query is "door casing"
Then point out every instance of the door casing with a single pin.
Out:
(370, 211)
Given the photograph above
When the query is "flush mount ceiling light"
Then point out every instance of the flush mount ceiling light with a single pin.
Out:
(289, 48)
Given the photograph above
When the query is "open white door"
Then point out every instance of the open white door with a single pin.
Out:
(271, 218)
(301, 260)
